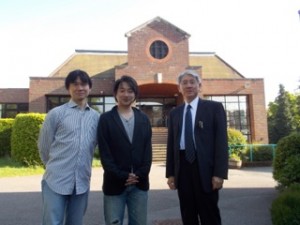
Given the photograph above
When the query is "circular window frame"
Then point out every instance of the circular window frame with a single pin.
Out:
(152, 58)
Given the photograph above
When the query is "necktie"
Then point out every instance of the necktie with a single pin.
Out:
(188, 135)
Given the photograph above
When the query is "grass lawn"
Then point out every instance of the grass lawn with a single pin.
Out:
(10, 168)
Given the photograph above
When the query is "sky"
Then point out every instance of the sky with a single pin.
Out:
(259, 38)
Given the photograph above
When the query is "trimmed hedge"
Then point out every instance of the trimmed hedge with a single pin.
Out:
(5, 135)
(260, 153)
(287, 160)
(24, 138)
(285, 208)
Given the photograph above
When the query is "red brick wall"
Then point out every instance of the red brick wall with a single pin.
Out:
(143, 67)
(14, 95)
(254, 89)
(40, 87)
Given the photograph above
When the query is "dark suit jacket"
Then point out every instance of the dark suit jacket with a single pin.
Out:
(211, 142)
(119, 156)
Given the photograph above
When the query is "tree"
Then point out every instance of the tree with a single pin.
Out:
(280, 116)
(297, 112)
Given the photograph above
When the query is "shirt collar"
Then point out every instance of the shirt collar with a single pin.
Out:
(73, 104)
(193, 103)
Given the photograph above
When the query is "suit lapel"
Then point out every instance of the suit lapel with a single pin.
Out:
(199, 116)
(136, 124)
(178, 121)
(180, 118)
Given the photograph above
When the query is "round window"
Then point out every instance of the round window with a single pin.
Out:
(159, 49)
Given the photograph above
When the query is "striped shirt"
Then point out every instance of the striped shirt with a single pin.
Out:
(66, 145)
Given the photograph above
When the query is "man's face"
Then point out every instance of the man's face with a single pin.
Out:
(78, 90)
(125, 95)
(189, 87)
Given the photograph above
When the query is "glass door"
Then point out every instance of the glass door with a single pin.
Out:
(157, 109)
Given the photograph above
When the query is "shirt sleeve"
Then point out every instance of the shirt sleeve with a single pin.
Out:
(46, 136)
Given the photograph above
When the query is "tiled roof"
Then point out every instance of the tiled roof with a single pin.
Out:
(214, 67)
(103, 63)
(93, 62)
(159, 20)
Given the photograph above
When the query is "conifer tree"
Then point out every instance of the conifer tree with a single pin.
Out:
(280, 121)
(297, 113)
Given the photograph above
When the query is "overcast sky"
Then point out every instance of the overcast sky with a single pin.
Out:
(259, 38)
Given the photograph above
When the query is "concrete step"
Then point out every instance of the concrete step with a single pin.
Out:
(159, 152)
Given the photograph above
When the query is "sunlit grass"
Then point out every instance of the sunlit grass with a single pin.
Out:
(10, 168)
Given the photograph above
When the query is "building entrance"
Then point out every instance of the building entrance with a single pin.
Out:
(157, 109)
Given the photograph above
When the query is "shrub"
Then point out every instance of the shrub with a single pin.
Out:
(24, 138)
(286, 207)
(5, 134)
(260, 153)
(287, 160)
(236, 142)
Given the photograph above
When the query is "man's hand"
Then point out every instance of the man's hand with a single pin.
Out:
(132, 179)
(217, 183)
(171, 183)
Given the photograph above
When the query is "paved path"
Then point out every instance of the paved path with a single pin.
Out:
(245, 199)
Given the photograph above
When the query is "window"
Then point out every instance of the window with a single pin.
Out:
(159, 49)
(10, 110)
(237, 112)
(53, 101)
(101, 104)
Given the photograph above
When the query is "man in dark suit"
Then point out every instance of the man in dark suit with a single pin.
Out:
(124, 139)
(197, 163)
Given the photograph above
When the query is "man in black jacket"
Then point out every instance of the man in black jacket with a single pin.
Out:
(197, 162)
(124, 137)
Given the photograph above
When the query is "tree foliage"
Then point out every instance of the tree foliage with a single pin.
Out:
(282, 115)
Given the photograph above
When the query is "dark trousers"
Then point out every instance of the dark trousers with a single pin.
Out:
(196, 206)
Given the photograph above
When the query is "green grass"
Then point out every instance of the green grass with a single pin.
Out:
(10, 168)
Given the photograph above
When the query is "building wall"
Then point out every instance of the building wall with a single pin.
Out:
(143, 67)
(40, 87)
(254, 89)
(14, 95)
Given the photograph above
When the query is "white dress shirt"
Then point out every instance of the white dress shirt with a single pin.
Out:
(194, 105)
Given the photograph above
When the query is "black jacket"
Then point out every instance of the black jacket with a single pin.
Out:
(119, 156)
(210, 134)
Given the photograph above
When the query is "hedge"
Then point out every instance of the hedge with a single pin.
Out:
(5, 135)
(285, 208)
(287, 160)
(24, 138)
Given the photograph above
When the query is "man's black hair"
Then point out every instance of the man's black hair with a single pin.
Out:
(73, 75)
(130, 81)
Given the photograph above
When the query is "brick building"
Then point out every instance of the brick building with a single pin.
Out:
(157, 52)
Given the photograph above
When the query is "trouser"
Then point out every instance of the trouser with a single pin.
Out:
(195, 204)
(63, 209)
(136, 202)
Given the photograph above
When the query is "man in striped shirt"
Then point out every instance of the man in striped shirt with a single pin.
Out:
(66, 145)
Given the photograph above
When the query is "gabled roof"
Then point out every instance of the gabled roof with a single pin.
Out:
(93, 62)
(157, 19)
(213, 66)
(103, 63)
